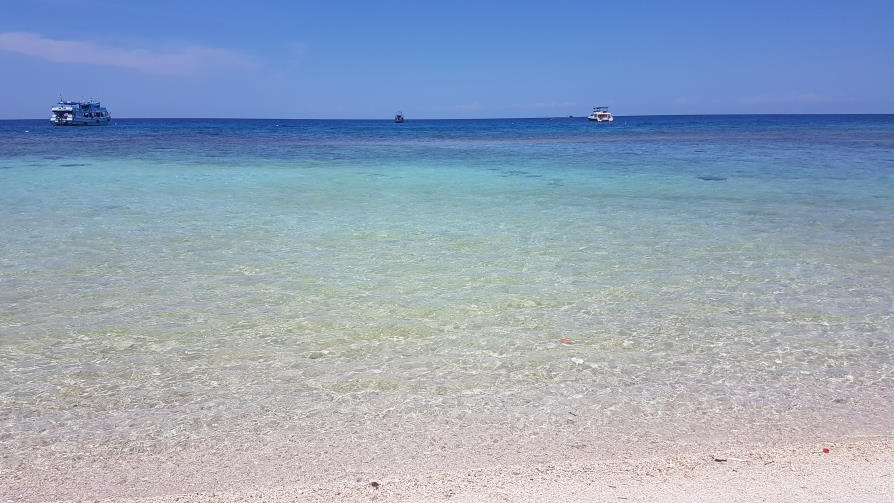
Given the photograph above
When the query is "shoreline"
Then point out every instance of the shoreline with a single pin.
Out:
(859, 468)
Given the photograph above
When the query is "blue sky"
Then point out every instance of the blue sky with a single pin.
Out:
(446, 59)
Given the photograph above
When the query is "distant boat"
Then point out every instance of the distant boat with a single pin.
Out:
(600, 114)
(79, 113)
(399, 117)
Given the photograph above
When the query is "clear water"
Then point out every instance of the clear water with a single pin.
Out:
(174, 284)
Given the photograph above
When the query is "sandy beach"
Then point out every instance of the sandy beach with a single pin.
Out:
(854, 471)
(859, 469)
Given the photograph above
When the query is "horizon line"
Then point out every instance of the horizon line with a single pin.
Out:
(473, 118)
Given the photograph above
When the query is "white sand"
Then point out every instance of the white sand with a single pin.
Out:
(855, 470)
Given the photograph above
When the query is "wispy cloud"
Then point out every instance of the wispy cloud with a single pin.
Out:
(189, 60)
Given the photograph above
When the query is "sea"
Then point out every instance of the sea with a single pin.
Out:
(180, 290)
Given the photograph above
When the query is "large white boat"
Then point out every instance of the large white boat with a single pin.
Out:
(600, 114)
(79, 113)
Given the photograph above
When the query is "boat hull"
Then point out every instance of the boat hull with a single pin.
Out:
(82, 122)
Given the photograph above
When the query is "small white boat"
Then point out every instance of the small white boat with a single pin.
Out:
(399, 117)
(79, 113)
(600, 114)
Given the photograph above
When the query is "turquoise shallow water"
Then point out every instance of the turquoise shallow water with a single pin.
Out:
(170, 284)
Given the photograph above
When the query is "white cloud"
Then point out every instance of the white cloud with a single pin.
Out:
(183, 61)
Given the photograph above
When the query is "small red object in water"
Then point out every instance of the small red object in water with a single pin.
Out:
(565, 341)
(826, 450)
